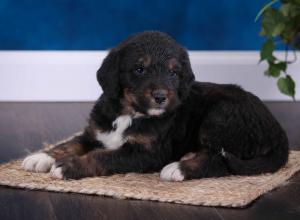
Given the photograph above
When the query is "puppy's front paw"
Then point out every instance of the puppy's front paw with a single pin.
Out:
(172, 172)
(38, 162)
(68, 168)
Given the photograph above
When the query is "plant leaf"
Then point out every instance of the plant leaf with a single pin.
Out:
(281, 66)
(286, 85)
(273, 70)
(278, 29)
(297, 1)
(262, 32)
(272, 18)
(285, 9)
(266, 52)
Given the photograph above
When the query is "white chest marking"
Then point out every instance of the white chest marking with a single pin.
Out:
(115, 139)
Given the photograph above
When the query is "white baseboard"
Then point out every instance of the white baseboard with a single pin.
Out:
(71, 75)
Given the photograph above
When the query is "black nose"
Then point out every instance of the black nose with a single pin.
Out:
(160, 95)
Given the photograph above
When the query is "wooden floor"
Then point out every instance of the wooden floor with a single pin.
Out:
(25, 126)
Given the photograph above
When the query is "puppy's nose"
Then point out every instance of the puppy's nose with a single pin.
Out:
(160, 95)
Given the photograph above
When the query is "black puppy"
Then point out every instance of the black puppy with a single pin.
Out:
(153, 116)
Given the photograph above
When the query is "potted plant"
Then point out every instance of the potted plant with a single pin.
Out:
(280, 26)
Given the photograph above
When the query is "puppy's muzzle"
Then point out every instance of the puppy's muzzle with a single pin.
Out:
(160, 96)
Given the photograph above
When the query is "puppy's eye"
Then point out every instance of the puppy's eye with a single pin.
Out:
(139, 71)
(173, 73)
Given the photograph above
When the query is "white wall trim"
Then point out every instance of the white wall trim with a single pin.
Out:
(71, 75)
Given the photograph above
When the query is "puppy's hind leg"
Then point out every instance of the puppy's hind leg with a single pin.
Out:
(195, 165)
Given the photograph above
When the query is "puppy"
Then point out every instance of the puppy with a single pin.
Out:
(153, 116)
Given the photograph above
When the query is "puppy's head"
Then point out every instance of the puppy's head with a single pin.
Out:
(150, 72)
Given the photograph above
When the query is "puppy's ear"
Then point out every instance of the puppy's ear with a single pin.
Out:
(108, 75)
(188, 75)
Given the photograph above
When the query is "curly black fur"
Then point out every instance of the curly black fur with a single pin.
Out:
(229, 130)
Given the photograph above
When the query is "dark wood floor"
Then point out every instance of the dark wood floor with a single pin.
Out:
(25, 126)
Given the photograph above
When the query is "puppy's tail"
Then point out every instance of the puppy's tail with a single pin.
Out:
(267, 163)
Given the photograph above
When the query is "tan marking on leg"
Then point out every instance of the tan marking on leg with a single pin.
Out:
(142, 139)
(66, 150)
(196, 161)
(188, 156)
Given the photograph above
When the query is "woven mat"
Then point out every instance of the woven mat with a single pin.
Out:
(232, 191)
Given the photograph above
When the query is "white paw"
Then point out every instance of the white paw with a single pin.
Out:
(38, 162)
(223, 152)
(171, 172)
(56, 172)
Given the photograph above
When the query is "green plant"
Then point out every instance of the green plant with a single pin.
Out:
(280, 26)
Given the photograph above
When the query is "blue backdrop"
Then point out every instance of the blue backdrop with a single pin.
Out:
(99, 24)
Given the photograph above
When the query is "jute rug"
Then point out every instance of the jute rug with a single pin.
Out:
(232, 191)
